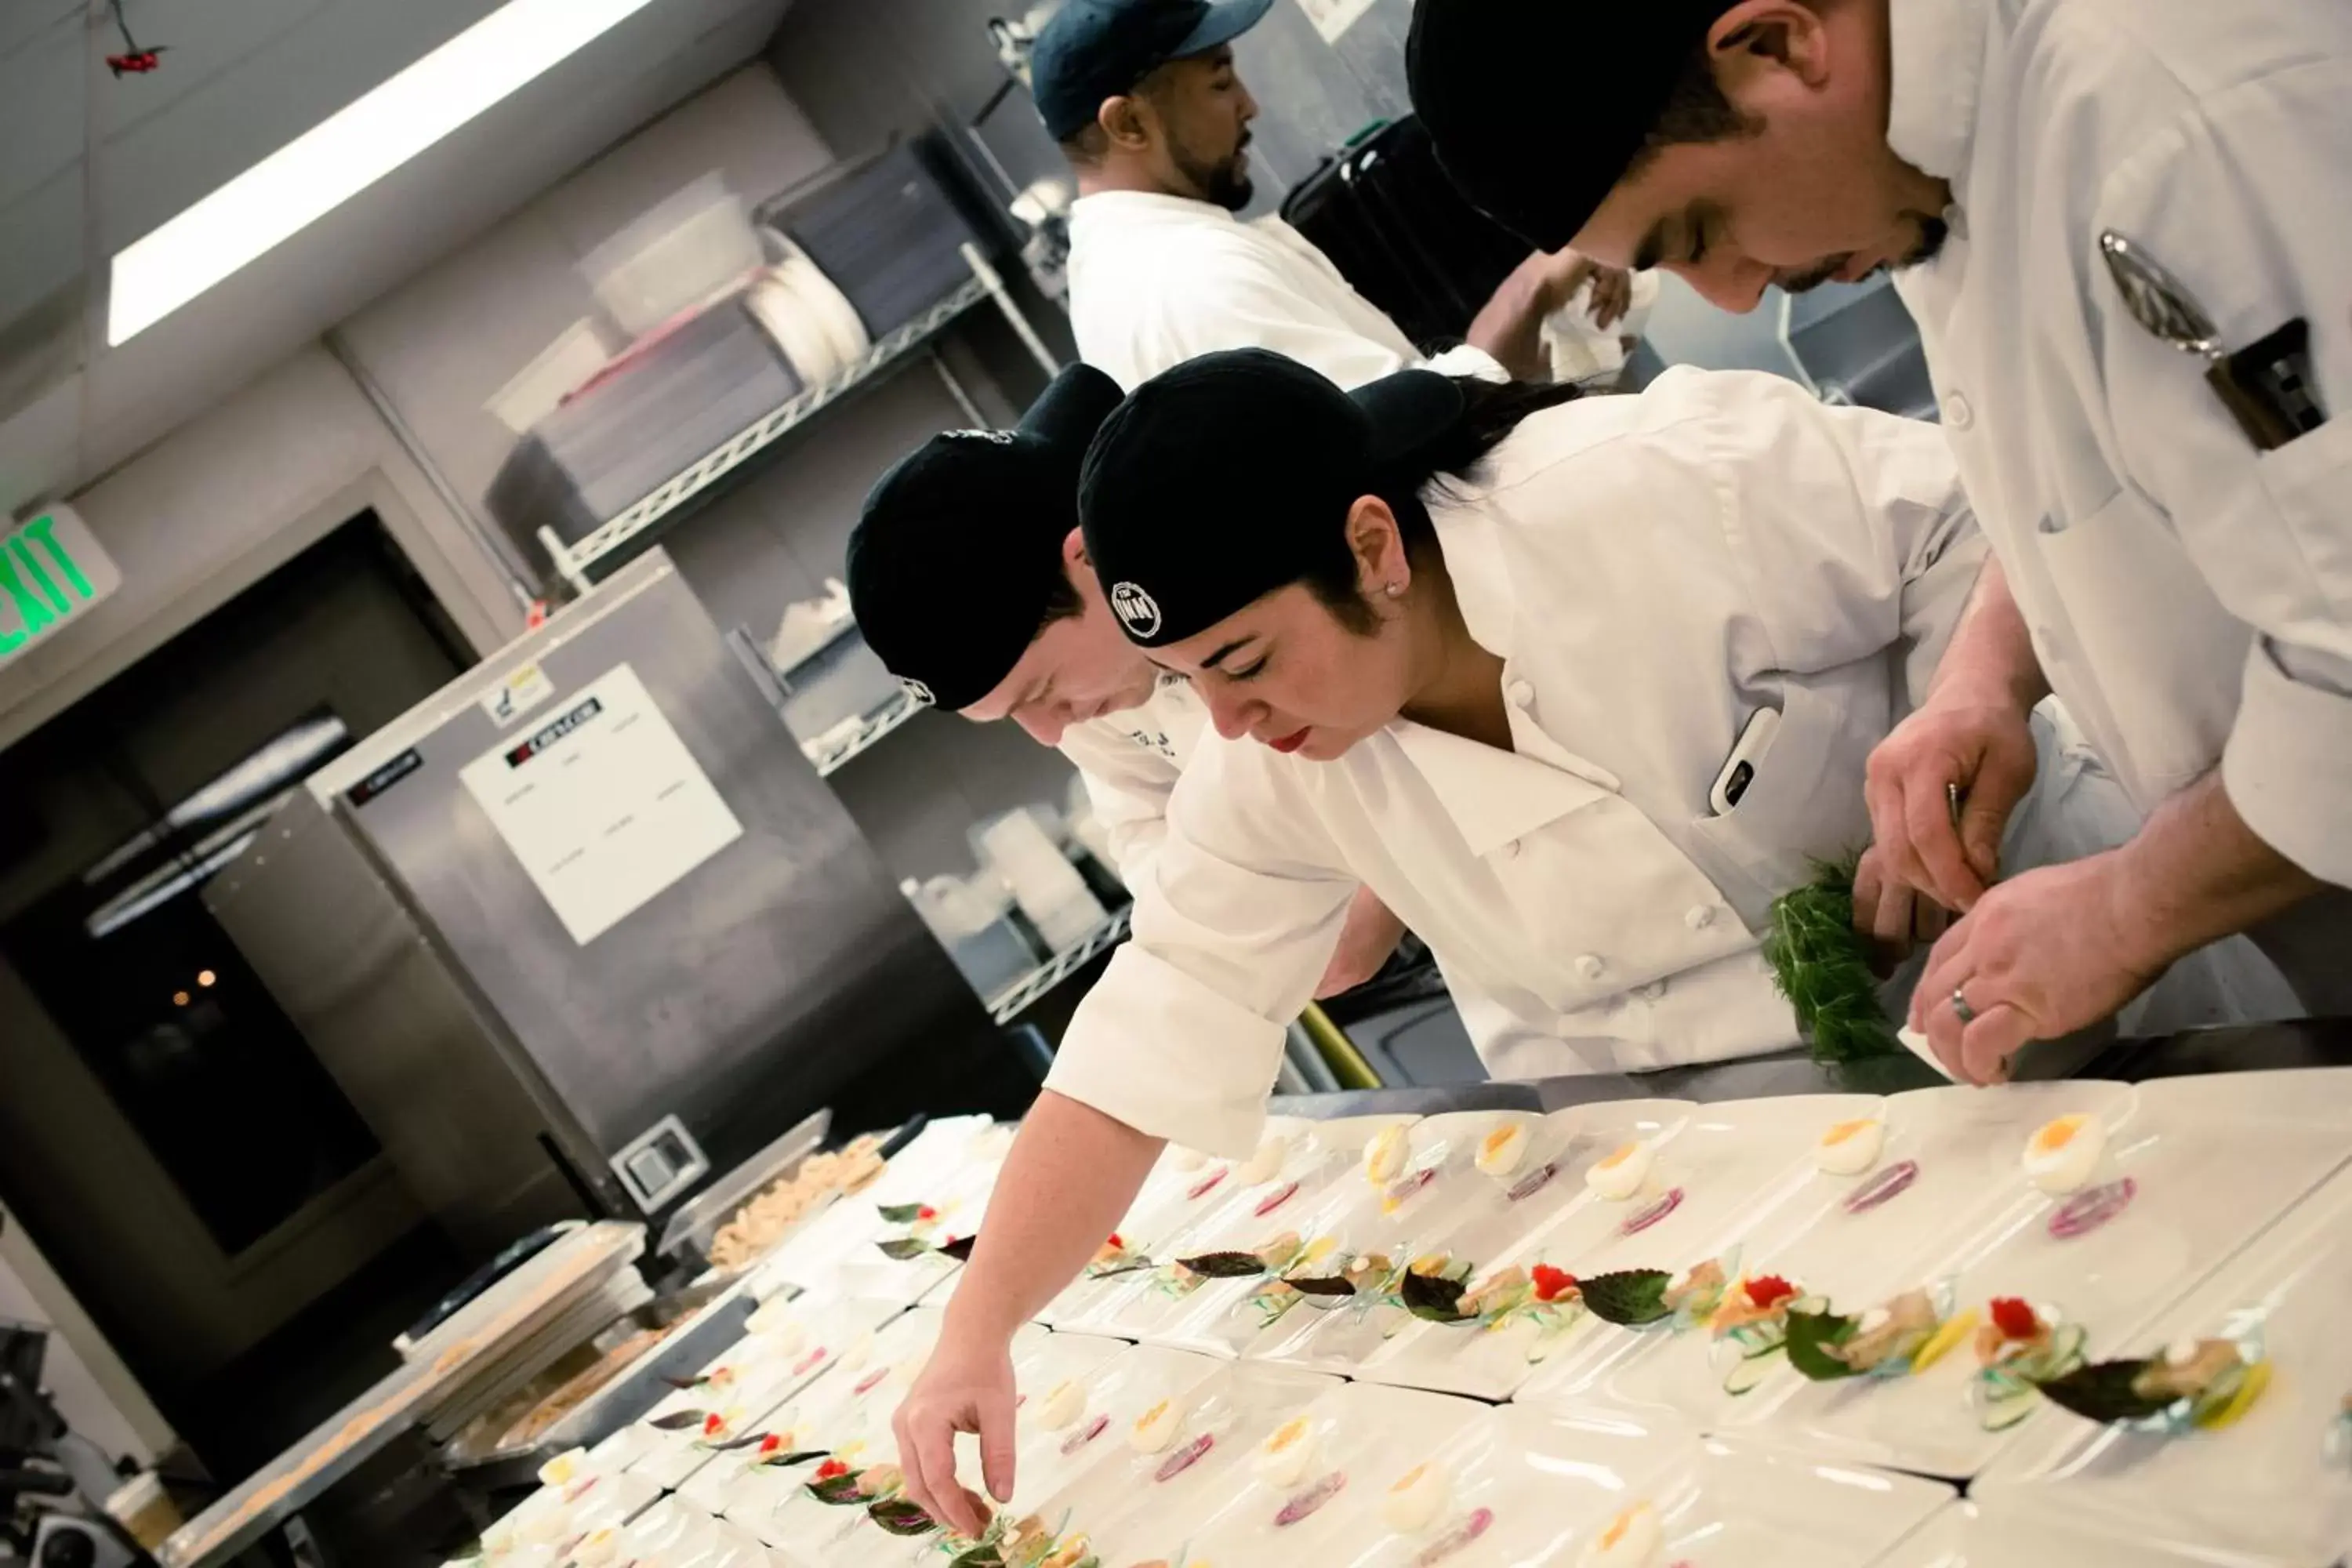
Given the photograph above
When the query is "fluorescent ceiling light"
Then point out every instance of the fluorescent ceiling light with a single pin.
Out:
(334, 161)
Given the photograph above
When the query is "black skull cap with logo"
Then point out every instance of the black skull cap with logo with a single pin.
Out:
(1226, 478)
(955, 558)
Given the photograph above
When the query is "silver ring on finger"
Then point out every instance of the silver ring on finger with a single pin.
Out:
(1967, 1015)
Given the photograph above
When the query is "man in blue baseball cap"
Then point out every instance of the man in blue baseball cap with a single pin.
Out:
(1144, 99)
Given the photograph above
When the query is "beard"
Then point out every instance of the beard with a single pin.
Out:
(1220, 181)
(1933, 233)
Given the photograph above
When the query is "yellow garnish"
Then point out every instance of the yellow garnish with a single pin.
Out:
(1620, 1525)
(2258, 1378)
(1624, 1153)
(1498, 1137)
(1407, 1478)
(2056, 1134)
(1154, 1414)
(1289, 1432)
(1955, 1329)
(1321, 1247)
(1430, 1264)
(1843, 1130)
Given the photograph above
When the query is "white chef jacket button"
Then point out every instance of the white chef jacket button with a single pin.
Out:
(1591, 966)
(1652, 991)
(1520, 692)
(1957, 412)
(1698, 917)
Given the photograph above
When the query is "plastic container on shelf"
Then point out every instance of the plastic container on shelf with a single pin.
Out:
(1047, 887)
(686, 250)
(562, 368)
(972, 926)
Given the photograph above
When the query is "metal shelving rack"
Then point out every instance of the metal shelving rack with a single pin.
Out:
(575, 563)
(1009, 1002)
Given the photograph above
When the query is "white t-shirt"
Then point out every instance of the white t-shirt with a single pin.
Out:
(1157, 280)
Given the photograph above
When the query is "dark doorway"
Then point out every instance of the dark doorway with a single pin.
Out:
(168, 1137)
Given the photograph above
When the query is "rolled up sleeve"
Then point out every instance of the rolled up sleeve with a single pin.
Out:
(1235, 918)
(2288, 766)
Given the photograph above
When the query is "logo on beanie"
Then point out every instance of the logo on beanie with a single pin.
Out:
(1135, 608)
(919, 693)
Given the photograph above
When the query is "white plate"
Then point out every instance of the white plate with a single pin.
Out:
(1532, 1485)
(1180, 1194)
(1491, 1365)
(1999, 1535)
(1136, 1305)
(1135, 1507)
(1363, 1438)
(1735, 1166)
(1953, 1149)
(2204, 1187)
(848, 1413)
(2267, 1487)
(1399, 1220)
(759, 1378)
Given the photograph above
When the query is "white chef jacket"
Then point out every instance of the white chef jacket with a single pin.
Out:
(1159, 280)
(1580, 883)
(1131, 761)
(2191, 598)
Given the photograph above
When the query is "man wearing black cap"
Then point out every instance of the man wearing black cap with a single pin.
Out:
(1143, 97)
(969, 581)
(2125, 228)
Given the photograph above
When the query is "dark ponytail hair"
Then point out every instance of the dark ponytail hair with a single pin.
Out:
(1491, 410)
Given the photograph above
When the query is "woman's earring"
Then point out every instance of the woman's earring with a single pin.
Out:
(1394, 590)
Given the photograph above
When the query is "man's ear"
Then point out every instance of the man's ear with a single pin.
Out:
(1074, 550)
(1757, 36)
(1128, 120)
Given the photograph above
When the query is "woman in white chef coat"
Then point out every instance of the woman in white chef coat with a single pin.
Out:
(1493, 656)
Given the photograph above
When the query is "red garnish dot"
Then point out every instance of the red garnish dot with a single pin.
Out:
(1667, 1204)
(830, 1469)
(1115, 1241)
(713, 1424)
(1276, 1199)
(771, 1443)
(2014, 1318)
(1185, 1458)
(1884, 1188)
(1203, 1187)
(1551, 1283)
(926, 1212)
(1769, 1291)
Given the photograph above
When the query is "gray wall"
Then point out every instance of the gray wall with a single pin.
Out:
(863, 68)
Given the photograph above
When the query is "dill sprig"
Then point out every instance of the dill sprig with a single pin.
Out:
(1822, 966)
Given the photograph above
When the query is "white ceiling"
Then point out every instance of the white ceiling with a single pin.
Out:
(88, 163)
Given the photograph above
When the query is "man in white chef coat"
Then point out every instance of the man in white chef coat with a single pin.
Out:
(1143, 97)
(2090, 204)
(969, 581)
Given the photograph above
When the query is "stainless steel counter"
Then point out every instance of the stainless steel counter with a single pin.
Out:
(2247, 1048)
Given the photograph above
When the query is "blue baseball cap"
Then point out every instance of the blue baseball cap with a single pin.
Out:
(1095, 49)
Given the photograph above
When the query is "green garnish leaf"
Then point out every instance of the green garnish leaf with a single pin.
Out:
(786, 1461)
(839, 1491)
(2102, 1391)
(1820, 965)
(960, 1247)
(1432, 1297)
(1628, 1298)
(900, 1214)
(982, 1556)
(676, 1421)
(1331, 1285)
(1811, 1336)
(1224, 1264)
(900, 1517)
(903, 1248)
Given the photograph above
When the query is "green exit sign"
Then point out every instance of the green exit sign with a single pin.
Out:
(51, 572)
